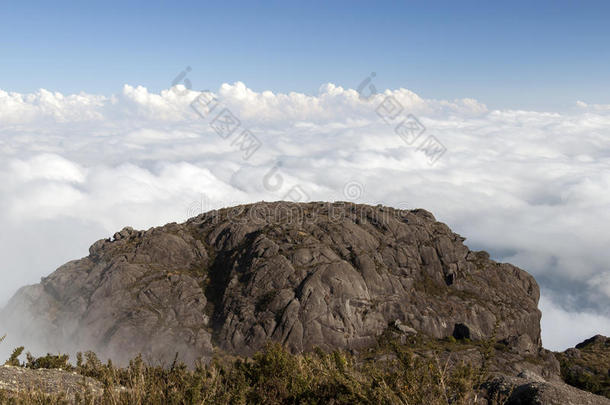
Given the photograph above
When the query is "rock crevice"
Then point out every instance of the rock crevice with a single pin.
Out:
(315, 274)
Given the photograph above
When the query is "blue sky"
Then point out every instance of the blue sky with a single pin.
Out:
(534, 55)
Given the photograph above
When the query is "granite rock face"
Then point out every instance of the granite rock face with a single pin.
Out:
(333, 275)
(531, 391)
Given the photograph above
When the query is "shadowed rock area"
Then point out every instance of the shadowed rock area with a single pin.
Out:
(311, 274)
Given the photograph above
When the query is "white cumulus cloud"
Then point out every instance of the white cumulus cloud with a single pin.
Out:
(530, 187)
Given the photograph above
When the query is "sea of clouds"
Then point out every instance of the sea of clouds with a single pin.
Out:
(532, 188)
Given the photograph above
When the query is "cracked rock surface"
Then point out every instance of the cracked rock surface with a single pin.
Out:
(333, 275)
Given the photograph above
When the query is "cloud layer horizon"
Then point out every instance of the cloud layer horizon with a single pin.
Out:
(529, 187)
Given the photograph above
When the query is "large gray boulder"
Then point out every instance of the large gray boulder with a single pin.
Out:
(537, 391)
(315, 274)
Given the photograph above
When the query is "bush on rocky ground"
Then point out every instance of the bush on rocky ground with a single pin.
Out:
(389, 373)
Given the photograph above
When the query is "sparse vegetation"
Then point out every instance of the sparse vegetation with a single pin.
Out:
(14, 359)
(588, 366)
(59, 361)
(390, 373)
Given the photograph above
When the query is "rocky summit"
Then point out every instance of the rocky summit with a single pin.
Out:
(328, 275)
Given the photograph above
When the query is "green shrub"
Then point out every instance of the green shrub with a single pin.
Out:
(390, 373)
(14, 359)
(49, 361)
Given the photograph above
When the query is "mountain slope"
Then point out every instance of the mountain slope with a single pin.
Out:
(315, 274)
